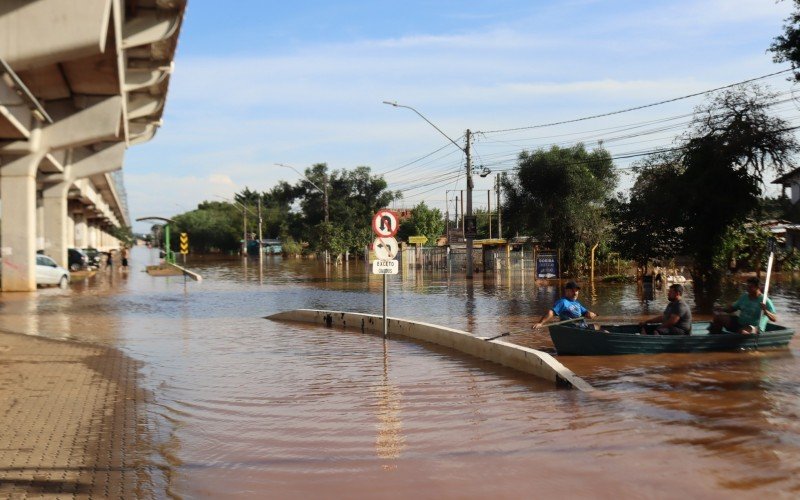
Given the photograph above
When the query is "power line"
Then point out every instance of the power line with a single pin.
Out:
(637, 107)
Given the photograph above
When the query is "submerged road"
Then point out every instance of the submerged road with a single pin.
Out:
(229, 404)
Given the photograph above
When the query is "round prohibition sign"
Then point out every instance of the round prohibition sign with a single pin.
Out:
(385, 223)
(385, 248)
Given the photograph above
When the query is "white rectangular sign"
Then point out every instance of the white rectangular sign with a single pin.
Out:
(384, 267)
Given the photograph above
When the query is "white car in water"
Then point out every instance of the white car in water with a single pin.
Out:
(50, 273)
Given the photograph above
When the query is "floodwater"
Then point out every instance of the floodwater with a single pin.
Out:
(250, 407)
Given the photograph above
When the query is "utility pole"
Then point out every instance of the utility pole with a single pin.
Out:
(457, 224)
(499, 219)
(325, 205)
(489, 210)
(469, 206)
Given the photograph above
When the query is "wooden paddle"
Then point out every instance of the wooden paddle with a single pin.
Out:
(766, 283)
(505, 334)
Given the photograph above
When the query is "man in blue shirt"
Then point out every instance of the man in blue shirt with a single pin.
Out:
(753, 312)
(568, 307)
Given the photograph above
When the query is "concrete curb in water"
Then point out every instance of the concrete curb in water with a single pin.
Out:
(520, 358)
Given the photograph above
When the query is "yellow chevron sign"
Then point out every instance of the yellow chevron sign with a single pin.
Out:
(184, 243)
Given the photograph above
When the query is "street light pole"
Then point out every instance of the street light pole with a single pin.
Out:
(323, 191)
(469, 180)
(469, 209)
(244, 221)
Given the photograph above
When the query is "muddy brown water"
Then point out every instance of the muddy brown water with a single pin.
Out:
(250, 407)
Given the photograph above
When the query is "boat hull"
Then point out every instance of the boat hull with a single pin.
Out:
(623, 339)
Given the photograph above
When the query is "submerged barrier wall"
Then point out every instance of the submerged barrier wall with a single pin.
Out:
(520, 358)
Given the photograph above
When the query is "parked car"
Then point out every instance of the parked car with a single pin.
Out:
(76, 259)
(50, 273)
(94, 255)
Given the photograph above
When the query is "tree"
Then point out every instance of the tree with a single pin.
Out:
(353, 198)
(732, 143)
(424, 221)
(558, 195)
(786, 47)
(649, 225)
(213, 226)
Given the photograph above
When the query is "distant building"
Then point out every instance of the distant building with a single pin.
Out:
(790, 180)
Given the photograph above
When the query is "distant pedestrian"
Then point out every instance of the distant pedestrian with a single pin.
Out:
(110, 260)
(124, 256)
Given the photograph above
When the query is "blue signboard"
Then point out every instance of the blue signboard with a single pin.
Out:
(547, 266)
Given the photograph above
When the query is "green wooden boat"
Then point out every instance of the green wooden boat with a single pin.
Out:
(625, 339)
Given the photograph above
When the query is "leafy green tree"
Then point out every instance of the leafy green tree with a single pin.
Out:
(733, 142)
(353, 198)
(279, 220)
(424, 221)
(697, 199)
(213, 226)
(649, 225)
(558, 195)
(786, 47)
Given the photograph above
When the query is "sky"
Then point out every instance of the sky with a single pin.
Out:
(263, 82)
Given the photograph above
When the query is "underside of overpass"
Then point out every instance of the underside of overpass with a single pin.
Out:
(80, 82)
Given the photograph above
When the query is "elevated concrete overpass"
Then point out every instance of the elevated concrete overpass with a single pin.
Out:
(80, 82)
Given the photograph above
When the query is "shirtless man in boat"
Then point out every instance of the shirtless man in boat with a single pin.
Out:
(568, 308)
(750, 305)
(677, 317)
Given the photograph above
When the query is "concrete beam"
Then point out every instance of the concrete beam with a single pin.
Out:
(52, 31)
(87, 162)
(98, 122)
(14, 109)
(141, 105)
(143, 132)
(141, 78)
(148, 27)
(520, 358)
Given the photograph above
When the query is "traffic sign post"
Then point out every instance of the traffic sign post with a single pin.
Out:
(385, 224)
(385, 248)
(184, 245)
(384, 267)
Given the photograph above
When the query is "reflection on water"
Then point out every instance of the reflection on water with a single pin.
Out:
(248, 406)
(389, 442)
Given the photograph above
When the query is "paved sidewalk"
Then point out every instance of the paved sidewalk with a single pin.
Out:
(69, 420)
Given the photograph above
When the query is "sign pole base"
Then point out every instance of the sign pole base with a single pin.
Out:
(385, 301)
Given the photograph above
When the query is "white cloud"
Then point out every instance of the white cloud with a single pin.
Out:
(229, 119)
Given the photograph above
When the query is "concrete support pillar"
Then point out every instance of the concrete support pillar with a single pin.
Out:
(55, 225)
(70, 231)
(81, 230)
(39, 223)
(18, 230)
(93, 241)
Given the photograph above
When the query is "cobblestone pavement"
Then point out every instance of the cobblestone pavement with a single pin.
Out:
(69, 420)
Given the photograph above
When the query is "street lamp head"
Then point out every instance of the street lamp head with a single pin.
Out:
(391, 103)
